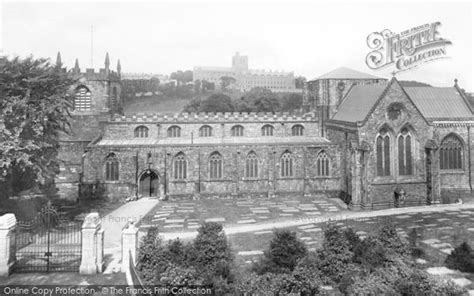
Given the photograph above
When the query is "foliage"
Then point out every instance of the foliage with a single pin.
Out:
(217, 103)
(388, 237)
(182, 77)
(372, 284)
(295, 283)
(210, 253)
(193, 106)
(299, 82)
(413, 237)
(283, 253)
(35, 106)
(292, 102)
(335, 256)
(151, 259)
(226, 81)
(180, 276)
(461, 258)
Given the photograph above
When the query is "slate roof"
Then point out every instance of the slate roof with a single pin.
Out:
(358, 102)
(433, 102)
(346, 73)
(439, 102)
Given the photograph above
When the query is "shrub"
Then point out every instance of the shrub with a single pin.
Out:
(210, 252)
(461, 258)
(335, 256)
(371, 284)
(151, 257)
(415, 250)
(283, 253)
(180, 276)
(388, 237)
(370, 253)
(296, 283)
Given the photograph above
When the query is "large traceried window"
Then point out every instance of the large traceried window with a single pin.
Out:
(111, 167)
(286, 164)
(215, 166)
(180, 166)
(205, 131)
(297, 130)
(141, 132)
(237, 131)
(322, 164)
(251, 165)
(451, 153)
(174, 132)
(383, 153)
(82, 99)
(267, 130)
(405, 153)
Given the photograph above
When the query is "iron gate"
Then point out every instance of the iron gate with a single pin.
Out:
(48, 243)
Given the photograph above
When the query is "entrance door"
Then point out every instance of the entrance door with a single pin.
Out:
(149, 184)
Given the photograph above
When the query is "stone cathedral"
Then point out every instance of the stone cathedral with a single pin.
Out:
(362, 138)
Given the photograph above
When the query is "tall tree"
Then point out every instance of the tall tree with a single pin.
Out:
(34, 109)
(226, 81)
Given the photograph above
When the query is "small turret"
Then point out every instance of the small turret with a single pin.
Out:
(107, 62)
(76, 67)
(59, 63)
(119, 68)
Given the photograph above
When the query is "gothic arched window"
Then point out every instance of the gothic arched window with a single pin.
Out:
(215, 166)
(111, 167)
(286, 164)
(114, 100)
(141, 132)
(322, 164)
(180, 166)
(237, 131)
(174, 132)
(383, 153)
(82, 99)
(251, 165)
(205, 131)
(451, 153)
(405, 153)
(267, 130)
(297, 130)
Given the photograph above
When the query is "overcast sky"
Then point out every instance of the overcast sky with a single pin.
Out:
(307, 38)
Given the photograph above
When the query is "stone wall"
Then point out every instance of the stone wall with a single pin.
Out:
(233, 181)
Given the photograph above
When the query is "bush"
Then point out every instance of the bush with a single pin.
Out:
(335, 257)
(180, 276)
(387, 235)
(151, 257)
(370, 253)
(415, 250)
(283, 253)
(210, 252)
(296, 283)
(461, 258)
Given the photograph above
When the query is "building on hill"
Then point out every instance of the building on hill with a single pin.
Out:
(382, 144)
(245, 78)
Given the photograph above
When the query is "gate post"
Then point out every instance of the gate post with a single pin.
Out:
(129, 245)
(90, 228)
(7, 244)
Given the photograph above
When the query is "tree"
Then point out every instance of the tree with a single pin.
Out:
(262, 100)
(207, 86)
(197, 86)
(461, 258)
(226, 81)
(283, 253)
(36, 100)
(217, 103)
(292, 102)
(299, 82)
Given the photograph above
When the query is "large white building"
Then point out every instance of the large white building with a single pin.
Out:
(245, 78)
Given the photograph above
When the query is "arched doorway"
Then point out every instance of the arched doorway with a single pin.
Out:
(148, 184)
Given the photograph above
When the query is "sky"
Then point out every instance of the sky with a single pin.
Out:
(308, 38)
